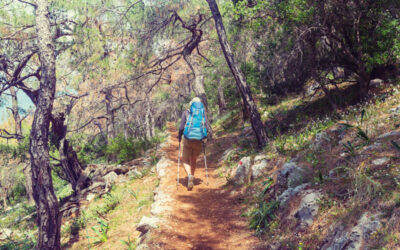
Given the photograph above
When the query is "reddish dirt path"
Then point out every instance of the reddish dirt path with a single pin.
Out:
(206, 217)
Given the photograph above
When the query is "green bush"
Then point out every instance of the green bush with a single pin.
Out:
(117, 150)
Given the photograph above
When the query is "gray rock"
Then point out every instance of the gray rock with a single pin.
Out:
(134, 173)
(321, 142)
(260, 158)
(356, 237)
(90, 197)
(242, 173)
(373, 147)
(395, 110)
(389, 136)
(147, 223)
(259, 169)
(162, 166)
(291, 175)
(289, 193)
(161, 200)
(110, 179)
(5, 233)
(375, 83)
(380, 161)
(308, 208)
(312, 88)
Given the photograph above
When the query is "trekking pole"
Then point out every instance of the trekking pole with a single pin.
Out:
(179, 163)
(205, 162)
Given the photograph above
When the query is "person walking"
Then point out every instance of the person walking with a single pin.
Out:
(193, 128)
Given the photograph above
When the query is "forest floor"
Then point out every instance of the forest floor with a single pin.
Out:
(209, 216)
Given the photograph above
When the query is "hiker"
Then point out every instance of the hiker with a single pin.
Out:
(194, 127)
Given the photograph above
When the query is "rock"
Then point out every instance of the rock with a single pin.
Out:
(322, 141)
(291, 175)
(380, 161)
(5, 233)
(289, 193)
(375, 83)
(310, 90)
(395, 110)
(389, 136)
(162, 166)
(259, 169)
(90, 197)
(356, 237)
(308, 208)
(110, 179)
(242, 173)
(147, 223)
(373, 147)
(260, 158)
(134, 173)
(160, 205)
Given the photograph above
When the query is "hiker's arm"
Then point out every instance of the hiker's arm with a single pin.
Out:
(182, 126)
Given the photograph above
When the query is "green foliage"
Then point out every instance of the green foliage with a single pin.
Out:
(117, 150)
(20, 151)
(264, 213)
(101, 230)
(130, 244)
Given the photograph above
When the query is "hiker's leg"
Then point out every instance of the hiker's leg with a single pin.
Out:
(196, 150)
(186, 156)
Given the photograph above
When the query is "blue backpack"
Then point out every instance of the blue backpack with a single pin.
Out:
(195, 127)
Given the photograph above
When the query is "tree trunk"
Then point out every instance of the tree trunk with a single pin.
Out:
(110, 115)
(244, 90)
(47, 206)
(221, 98)
(15, 113)
(147, 120)
(28, 183)
(69, 160)
(198, 83)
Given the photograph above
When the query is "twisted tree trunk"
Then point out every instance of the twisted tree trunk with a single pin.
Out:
(47, 206)
(244, 89)
(15, 113)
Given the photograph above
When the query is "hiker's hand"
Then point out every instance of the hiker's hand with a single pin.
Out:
(204, 140)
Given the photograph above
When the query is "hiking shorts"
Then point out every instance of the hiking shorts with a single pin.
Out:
(191, 150)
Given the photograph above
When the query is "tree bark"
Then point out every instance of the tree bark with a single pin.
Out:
(221, 100)
(198, 82)
(69, 160)
(244, 90)
(28, 183)
(47, 206)
(147, 119)
(110, 115)
(15, 113)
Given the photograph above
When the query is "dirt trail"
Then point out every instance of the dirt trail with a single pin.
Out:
(206, 217)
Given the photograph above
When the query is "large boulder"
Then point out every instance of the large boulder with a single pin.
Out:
(242, 173)
(289, 193)
(110, 179)
(308, 208)
(147, 223)
(321, 142)
(292, 175)
(356, 237)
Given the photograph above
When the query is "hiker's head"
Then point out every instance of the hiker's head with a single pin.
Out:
(196, 99)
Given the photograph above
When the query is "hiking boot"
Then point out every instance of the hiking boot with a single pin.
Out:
(190, 182)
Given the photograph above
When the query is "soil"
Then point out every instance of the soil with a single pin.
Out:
(209, 216)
